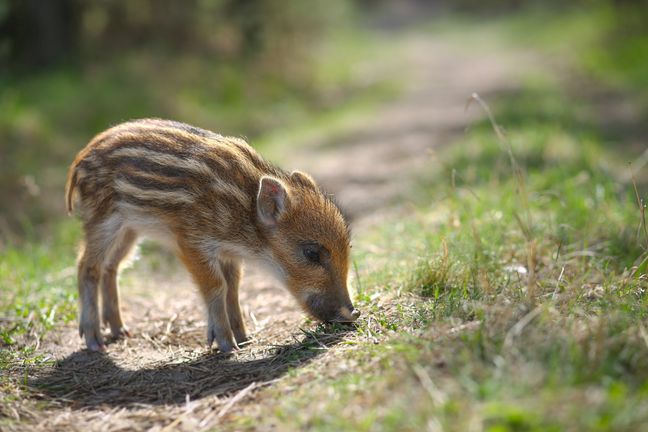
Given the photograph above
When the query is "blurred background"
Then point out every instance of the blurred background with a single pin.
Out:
(71, 68)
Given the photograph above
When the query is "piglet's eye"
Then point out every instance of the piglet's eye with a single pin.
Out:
(312, 252)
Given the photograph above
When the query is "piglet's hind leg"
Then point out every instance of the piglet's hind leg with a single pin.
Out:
(88, 279)
(109, 288)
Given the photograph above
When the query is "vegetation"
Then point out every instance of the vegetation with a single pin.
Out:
(514, 297)
(522, 309)
(607, 42)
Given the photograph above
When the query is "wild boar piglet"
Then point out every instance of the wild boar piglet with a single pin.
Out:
(216, 202)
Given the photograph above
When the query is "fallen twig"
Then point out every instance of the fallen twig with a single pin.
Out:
(240, 395)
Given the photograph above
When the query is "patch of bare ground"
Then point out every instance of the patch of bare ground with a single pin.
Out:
(164, 378)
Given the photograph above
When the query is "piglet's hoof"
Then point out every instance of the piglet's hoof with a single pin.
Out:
(121, 332)
(225, 347)
(93, 339)
(96, 346)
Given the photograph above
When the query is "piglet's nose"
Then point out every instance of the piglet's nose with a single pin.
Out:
(348, 314)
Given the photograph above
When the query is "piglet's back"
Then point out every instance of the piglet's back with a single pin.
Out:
(164, 167)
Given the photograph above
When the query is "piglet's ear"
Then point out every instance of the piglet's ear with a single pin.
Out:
(303, 179)
(272, 200)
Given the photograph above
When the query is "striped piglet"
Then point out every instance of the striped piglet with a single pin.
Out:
(215, 202)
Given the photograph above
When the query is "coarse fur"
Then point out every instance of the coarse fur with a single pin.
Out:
(215, 202)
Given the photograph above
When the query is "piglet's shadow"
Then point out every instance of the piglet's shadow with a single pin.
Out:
(85, 379)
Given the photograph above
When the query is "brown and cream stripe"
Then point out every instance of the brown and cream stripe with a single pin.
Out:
(165, 165)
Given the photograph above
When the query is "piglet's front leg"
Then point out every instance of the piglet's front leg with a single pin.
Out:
(218, 325)
(232, 272)
(214, 292)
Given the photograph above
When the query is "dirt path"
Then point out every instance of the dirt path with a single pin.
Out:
(372, 165)
(163, 378)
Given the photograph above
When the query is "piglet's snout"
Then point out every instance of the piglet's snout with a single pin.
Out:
(348, 314)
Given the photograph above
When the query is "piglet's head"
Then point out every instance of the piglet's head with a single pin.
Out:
(309, 243)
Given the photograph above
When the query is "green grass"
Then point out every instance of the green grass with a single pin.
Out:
(37, 294)
(599, 42)
(513, 298)
(606, 43)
